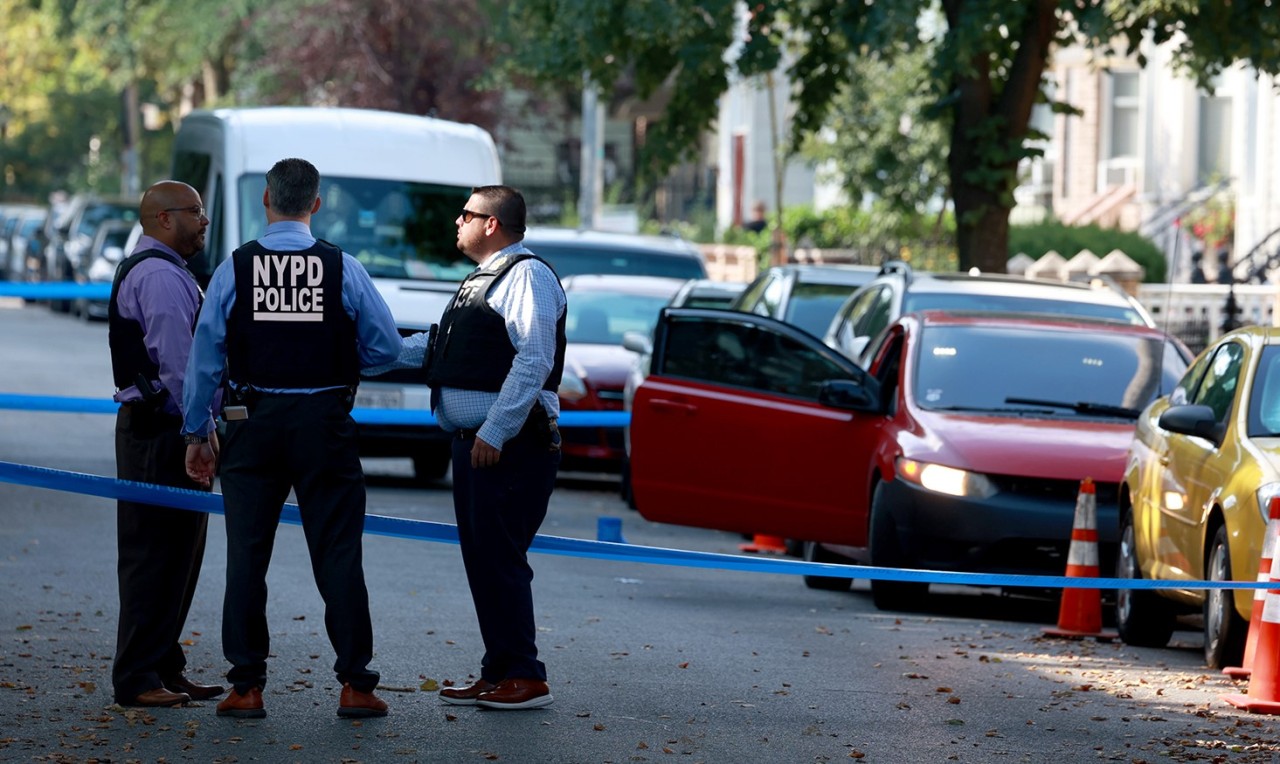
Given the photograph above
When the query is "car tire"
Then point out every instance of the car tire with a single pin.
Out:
(1143, 617)
(430, 466)
(1224, 630)
(886, 552)
(815, 552)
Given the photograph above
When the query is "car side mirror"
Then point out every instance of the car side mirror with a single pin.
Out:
(846, 394)
(637, 342)
(1192, 419)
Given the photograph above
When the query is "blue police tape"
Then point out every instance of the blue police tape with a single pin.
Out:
(362, 415)
(382, 525)
(60, 290)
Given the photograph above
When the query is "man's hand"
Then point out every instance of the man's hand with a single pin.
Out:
(484, 455)
(200, 463)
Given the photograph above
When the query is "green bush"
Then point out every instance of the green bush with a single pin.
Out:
(1035, 240)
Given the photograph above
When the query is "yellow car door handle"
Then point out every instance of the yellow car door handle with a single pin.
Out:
(1164, 460)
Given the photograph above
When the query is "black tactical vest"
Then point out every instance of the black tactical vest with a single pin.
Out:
(129, 356)
(472, 349)
(287, 329)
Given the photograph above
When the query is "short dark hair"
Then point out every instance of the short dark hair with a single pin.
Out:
(294, 185)
(506, 204)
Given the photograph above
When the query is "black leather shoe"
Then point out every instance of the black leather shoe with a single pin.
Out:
(159, 698)
(196, 691)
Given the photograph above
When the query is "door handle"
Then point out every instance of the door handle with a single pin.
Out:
(1164, 460)
(672, 407)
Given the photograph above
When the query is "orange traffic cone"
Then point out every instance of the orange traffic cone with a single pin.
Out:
(1080, 614)
(1259, 595)
(762, 544)
(1264, 680)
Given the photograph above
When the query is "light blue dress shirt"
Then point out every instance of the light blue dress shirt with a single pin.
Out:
(377, 339)
(529, 297)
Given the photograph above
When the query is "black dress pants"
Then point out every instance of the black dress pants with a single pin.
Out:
(160, 553)
(499, 510)
(308, 443)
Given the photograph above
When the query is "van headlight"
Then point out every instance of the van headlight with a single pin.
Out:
(945, 480)
(572, 387)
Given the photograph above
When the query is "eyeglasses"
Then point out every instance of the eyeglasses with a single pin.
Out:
(468, 216)
(194, 209)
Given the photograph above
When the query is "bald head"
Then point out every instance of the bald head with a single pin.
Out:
(171, 212)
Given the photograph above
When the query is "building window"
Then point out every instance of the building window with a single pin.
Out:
(1124, 116)
(1214, 145)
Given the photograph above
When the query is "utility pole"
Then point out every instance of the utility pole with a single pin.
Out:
(591, 175)
(130, 117)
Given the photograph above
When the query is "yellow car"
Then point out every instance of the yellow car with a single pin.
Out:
(1201, 472)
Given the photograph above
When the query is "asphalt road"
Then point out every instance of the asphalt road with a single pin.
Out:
(647, 662)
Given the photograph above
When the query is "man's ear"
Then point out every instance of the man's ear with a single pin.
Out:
(315, 207)
(266, 198)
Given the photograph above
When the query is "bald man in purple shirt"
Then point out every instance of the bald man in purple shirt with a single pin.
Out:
(151, 314)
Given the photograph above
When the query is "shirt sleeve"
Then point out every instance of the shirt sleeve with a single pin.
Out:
(376, 333)
(208, 351)
(531, 301)
(166, 326)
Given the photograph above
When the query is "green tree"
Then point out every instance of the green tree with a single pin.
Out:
(987, 60)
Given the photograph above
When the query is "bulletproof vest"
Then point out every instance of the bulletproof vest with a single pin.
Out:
(288, 329)
(129, 356)
(472, 349)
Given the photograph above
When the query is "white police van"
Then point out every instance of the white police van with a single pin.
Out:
(391, 186)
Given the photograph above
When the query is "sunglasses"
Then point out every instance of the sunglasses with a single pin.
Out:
(468, 215)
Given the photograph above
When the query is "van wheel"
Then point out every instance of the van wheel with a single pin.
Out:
(815, 552)
(1224, 630)
(1143, 617)
(886, 552)
(430, 466)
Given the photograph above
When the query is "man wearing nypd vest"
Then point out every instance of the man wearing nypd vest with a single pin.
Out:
(153, 306)
(494, 369)
(288, 323)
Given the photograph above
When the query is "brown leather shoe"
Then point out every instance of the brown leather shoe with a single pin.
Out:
(246, 706)
(465, 696)
(515, 694)
(196, 691)
(360, 705)
(159, 698)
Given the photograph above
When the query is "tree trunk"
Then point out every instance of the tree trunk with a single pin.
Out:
(984, 242)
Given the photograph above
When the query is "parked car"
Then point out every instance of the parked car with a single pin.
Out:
(1201, 472)
(961, 446)
(98, 264)
(696, 293)
(602, 309)
(899, 289)
(574, 251)
(72, 235)
(806, 296)
(14, 219)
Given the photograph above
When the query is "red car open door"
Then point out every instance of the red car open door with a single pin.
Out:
(748, 424)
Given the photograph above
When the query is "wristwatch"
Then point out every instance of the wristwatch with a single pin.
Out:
(191, 439)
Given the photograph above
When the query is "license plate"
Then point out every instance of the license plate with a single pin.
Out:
(379, 399)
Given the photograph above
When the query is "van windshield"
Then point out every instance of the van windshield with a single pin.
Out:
(396, 229)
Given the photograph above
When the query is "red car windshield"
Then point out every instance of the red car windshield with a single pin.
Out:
(1029, 370)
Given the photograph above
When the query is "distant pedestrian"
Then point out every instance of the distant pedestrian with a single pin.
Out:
(153, 306)
(292, 320)
(759, 218)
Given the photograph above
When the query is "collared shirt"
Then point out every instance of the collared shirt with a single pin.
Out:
(530, 299)
(377, 339)
(162, 295)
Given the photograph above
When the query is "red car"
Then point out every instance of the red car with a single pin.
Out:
(601, 309)
(961, 447)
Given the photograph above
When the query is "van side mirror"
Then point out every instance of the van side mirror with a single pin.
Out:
(1192, 419)
(846, 394)
(637, 342)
